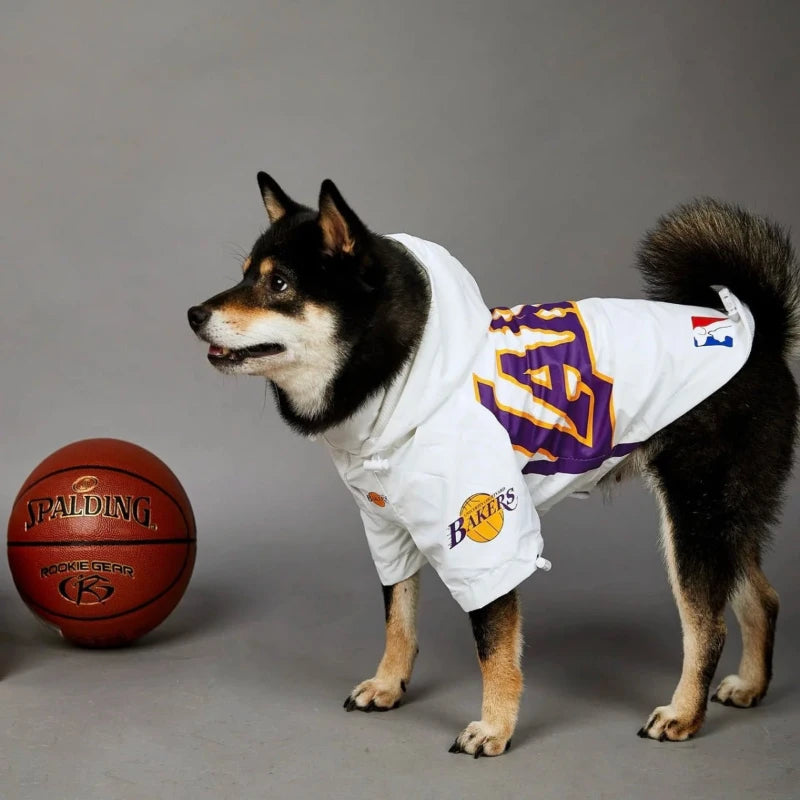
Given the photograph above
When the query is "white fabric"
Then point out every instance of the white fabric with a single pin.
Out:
(450, 464)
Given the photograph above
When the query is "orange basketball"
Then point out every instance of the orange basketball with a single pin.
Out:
(101, 541)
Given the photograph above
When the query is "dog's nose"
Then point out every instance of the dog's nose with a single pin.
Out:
(197, 316)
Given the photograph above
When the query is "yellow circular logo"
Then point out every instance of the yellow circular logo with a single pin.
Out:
(483, 517)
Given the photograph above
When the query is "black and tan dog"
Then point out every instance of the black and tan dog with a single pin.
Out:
(329, 313)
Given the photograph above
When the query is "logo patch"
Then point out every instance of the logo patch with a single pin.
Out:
(82, 581)
(85, 484)
(712, 332)
(482, 516)
(86, 590)
(377, 499)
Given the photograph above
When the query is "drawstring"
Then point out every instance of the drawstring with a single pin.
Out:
(376, 464)
(543, 563)
(728, 300)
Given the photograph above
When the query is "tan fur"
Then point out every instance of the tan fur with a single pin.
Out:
(703, 634)
(246, 264)
(242, 317)
(275, 210)
(502, 676)
(312, 355)
(401, 632)
(266, 267)
(751, 603)
(386, 688)
(749, 609)
(630, 467)
(336, 235)
(502, 689)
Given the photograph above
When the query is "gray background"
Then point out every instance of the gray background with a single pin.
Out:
(537, 141)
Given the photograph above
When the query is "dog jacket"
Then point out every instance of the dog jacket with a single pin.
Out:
(502, 413)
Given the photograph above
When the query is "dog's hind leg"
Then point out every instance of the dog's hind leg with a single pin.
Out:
(700, 572)
(718, 472)
(755, 603)
(384, 690)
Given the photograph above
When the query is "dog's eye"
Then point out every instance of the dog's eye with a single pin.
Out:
(278, 284)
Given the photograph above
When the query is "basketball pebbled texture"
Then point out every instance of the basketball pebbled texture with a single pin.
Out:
(102, 541)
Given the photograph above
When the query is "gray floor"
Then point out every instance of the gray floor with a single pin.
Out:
(536, 140)
(239, 694)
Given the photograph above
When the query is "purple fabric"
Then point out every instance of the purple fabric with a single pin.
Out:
(583, 438)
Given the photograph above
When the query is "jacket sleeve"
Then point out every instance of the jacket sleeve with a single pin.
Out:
(392, 548)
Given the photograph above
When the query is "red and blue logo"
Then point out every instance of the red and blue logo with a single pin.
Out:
(712, 332)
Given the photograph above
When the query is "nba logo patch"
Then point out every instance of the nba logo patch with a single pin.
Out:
(712, 332)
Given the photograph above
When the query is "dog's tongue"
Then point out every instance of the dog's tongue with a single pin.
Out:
(213, 350)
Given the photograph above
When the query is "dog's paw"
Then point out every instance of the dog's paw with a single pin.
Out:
(481, 739)
(733, 691)
(376, 694)
(665, 724)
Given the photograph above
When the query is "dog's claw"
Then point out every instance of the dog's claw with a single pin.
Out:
(644, 733)
(463, 744)
(375, 695)
(350, 704)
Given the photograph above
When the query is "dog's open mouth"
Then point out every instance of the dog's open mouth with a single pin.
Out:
(224, 354)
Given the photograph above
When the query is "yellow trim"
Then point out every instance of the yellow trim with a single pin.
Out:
(576, 374)
(569, 427)
(541, 376)
(554, 313)
(588, 338)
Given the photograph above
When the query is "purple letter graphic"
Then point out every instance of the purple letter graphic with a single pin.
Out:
(559, 373)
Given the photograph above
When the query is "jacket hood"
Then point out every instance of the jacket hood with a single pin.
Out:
(457, 324)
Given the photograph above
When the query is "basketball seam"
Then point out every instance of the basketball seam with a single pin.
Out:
(31, 602)
(98, 542)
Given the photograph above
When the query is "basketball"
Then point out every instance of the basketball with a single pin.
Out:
(101, 542)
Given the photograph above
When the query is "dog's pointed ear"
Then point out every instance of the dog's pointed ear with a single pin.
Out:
(341, 228)
(276, 201)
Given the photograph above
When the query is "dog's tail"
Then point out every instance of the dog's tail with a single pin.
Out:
(708, 243)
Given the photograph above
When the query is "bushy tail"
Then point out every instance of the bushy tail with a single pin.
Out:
(707, 243)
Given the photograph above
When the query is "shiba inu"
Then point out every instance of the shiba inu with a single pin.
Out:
(455, 426)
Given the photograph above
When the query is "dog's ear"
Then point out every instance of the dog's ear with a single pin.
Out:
(276, 201)
(341, 228)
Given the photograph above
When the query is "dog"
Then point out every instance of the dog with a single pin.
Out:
(455, 426)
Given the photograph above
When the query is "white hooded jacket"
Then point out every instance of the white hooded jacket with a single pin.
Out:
(503, 413)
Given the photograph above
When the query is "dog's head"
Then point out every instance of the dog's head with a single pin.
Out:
(312, 284)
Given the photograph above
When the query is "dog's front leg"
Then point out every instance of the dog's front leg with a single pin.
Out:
(384, 691)
(498, 636)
